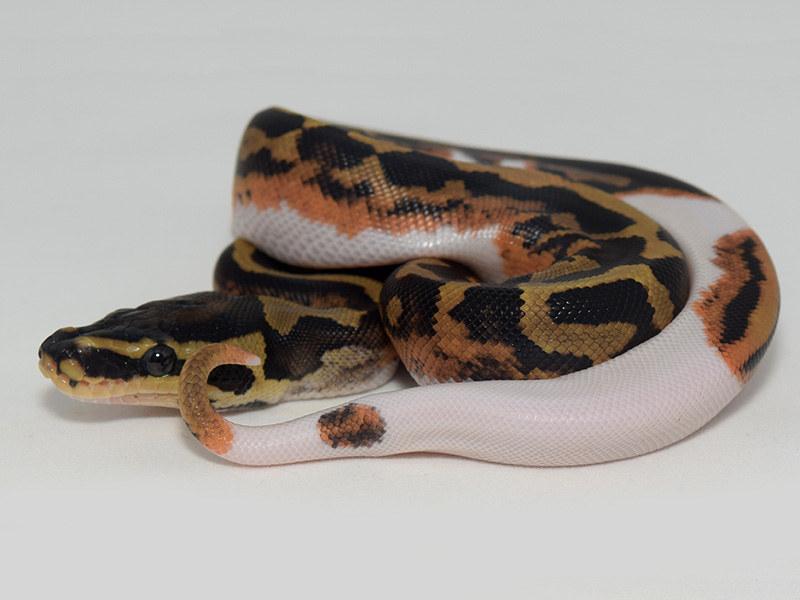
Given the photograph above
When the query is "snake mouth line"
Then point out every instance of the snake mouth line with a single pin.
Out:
(104, 391)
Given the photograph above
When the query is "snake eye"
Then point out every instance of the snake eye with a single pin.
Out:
(159, 360)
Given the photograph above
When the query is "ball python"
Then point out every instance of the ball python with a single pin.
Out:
(553, 311)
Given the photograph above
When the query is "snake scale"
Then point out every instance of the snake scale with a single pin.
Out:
(553, 311)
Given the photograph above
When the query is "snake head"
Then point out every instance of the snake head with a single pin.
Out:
(135, 355)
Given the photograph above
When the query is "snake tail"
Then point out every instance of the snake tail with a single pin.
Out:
(204, 422)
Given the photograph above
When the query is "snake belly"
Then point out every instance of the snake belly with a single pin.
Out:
(568, 312)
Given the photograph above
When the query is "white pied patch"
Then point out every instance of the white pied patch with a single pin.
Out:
(462, 156)
(514, 163)
(292, 238)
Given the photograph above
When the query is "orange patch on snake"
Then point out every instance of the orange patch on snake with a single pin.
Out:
(214, 432)
(351, 426)
(741, 309)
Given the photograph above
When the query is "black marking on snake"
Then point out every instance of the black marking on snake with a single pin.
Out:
(232, 378)
(492, 313)
(332, 147)
(415, 169)
(736, 318)
(559, 245)
(665, 236)
(671, 272)
(301, 351)
(363, 189)
(99, 362)
(262, 162)
(275, 122)
(447, 270)
(485, 370)
(624, 301)
(406, 206)
(752, 361)
(432, 173)
(337, 191)
(591, 218)
(531, 230)
(418, 297)
(616, 251)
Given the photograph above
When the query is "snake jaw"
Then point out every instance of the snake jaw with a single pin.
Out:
(69, 377)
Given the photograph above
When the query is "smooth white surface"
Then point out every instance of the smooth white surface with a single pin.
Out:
(119, 131)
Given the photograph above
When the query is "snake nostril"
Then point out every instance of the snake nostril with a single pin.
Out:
(56, 340)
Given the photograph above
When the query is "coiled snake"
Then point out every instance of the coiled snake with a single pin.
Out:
(568, 312)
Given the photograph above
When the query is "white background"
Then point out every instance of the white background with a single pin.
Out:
(120, 123)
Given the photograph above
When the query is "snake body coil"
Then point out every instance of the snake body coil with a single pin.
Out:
(569, 312)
